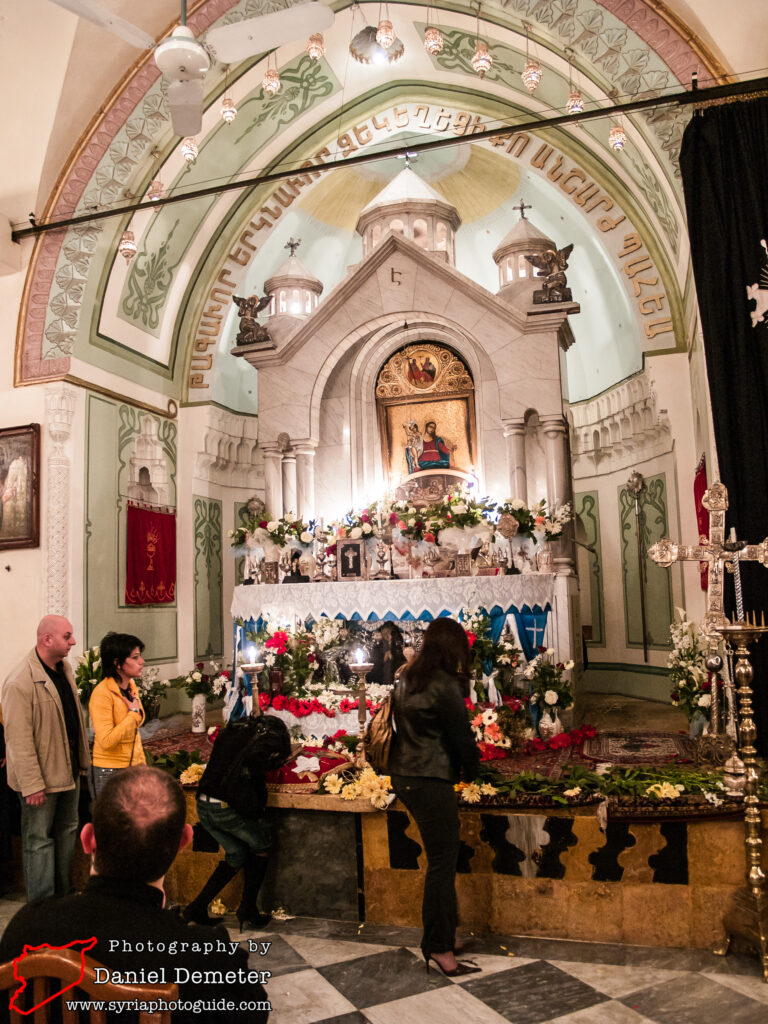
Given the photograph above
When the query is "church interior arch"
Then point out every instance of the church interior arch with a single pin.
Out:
(94, 334)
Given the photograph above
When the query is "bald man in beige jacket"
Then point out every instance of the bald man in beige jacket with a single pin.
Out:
(46, 749)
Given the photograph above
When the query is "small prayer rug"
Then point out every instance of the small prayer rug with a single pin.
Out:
(657, 748)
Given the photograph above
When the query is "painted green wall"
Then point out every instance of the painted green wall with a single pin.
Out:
(587, 510)
(209, 633)
(658, 589)
(111, 430)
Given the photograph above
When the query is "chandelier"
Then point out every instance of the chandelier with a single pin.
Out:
(155, 189)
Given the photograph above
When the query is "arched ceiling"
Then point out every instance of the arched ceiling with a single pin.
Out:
(85, 312)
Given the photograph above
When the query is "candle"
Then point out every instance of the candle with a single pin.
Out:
(359, 656)
(378, 516)
(252, 655)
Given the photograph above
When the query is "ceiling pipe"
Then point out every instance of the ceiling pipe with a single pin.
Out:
(694, 97)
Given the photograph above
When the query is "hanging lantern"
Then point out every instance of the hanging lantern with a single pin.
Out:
(481, 61)
(228, 111)
(575, 103)
(531, 74)
(127, 246)
(189, 150)
(316, 46)
(271, 82)
(433, 40)
(155, 189)
(617, 137)
(385, 34)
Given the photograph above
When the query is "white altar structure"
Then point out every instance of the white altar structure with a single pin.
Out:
(408, 360)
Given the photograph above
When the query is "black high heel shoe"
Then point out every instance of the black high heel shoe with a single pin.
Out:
(252, 920)
(461, 968)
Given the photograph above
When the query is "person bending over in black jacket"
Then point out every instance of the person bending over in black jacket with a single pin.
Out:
(231, 799)
(433, 743)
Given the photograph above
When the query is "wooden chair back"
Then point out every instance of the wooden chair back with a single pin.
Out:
(53, 970)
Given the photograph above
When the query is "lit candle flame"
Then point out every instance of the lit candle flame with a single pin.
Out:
(252, 654)
(359, 656)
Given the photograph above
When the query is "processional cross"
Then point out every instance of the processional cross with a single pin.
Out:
(721, 555)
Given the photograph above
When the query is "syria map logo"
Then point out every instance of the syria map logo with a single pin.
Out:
(81, 946)
(758, 293)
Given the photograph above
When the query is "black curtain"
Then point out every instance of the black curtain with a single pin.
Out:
(724, 164)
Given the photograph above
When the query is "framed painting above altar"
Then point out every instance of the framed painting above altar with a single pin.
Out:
(425, 400)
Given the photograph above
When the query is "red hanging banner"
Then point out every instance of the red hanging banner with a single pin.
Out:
(702, 515)
(150, 575)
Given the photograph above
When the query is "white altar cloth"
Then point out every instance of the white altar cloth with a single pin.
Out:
(399, 599)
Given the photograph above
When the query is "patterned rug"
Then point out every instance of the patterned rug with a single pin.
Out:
(656, 748)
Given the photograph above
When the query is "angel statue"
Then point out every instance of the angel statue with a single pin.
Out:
(248, 310)
(552, 264)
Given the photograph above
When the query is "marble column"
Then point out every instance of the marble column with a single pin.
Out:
(273, 480)
(305, 478)
(559, 491)
(514, 432)
(59, 407)
(289, 482)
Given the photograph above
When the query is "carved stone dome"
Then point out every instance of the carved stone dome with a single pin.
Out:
(517, 277)
(293, 290)
(408, 206)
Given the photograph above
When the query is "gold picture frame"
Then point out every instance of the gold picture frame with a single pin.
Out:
(20, 487)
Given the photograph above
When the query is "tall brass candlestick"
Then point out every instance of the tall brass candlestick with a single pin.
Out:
(361, 670)
(748, 917)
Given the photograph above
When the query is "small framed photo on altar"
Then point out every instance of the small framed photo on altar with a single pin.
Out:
(350, 560)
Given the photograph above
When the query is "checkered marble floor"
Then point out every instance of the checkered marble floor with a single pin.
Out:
(340, 972)
(335, 972)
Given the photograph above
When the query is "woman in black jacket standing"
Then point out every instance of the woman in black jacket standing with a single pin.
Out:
(433, 742)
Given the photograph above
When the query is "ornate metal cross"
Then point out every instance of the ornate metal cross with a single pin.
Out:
(717, 552)
(522, 208)
(292, 244)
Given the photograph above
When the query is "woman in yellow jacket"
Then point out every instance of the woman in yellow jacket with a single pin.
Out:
(115, 709)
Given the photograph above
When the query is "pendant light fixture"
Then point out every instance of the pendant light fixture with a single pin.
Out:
(481, 59)
(316, 47)
(385, 33)
(433, 37)
(189, 150)
(127, 246)
(617, 137)
(575, 104)
(228, 110)
(531, 74)
(155, 189)
(271, 81)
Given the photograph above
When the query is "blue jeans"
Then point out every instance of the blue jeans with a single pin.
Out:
(238, 836)
(48, 836)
